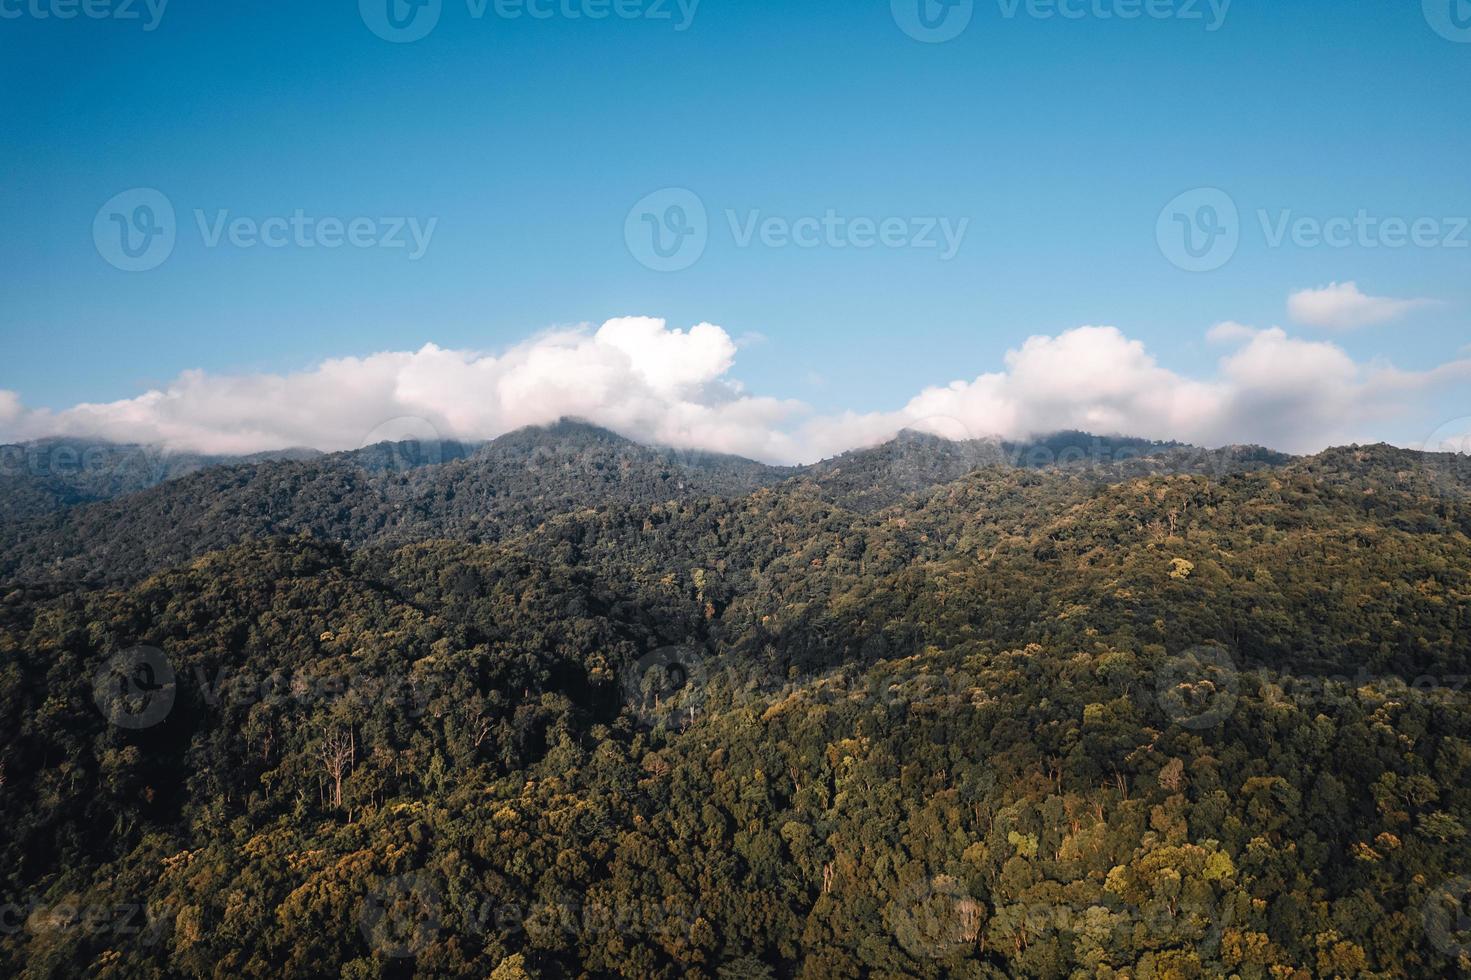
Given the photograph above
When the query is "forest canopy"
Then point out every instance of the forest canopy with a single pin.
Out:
(565, 706)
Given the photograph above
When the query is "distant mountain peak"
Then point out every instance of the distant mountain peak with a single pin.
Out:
(566, 427)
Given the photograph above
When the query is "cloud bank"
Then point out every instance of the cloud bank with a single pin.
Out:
(671, 386)
(1342, 306)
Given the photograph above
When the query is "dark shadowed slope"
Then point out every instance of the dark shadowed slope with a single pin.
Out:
(48, 475)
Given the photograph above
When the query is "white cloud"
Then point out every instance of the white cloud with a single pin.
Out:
(1450, 440)
(1342, 306)
(638, 376)
(1091, 378)
(1272, 389)
(1230, 332)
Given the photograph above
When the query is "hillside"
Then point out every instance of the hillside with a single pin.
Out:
(385, 493)
(397, 493)
(49, 475)
(1073, 721)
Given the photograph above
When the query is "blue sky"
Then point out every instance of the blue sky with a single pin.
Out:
(527, 142)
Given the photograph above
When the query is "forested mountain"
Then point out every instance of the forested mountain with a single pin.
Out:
(573, 707)
(385, 493)
(411, 491)
(49, 475)
(914, 462)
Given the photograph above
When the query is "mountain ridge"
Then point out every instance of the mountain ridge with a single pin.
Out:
(400, 492)
(1044, 722)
